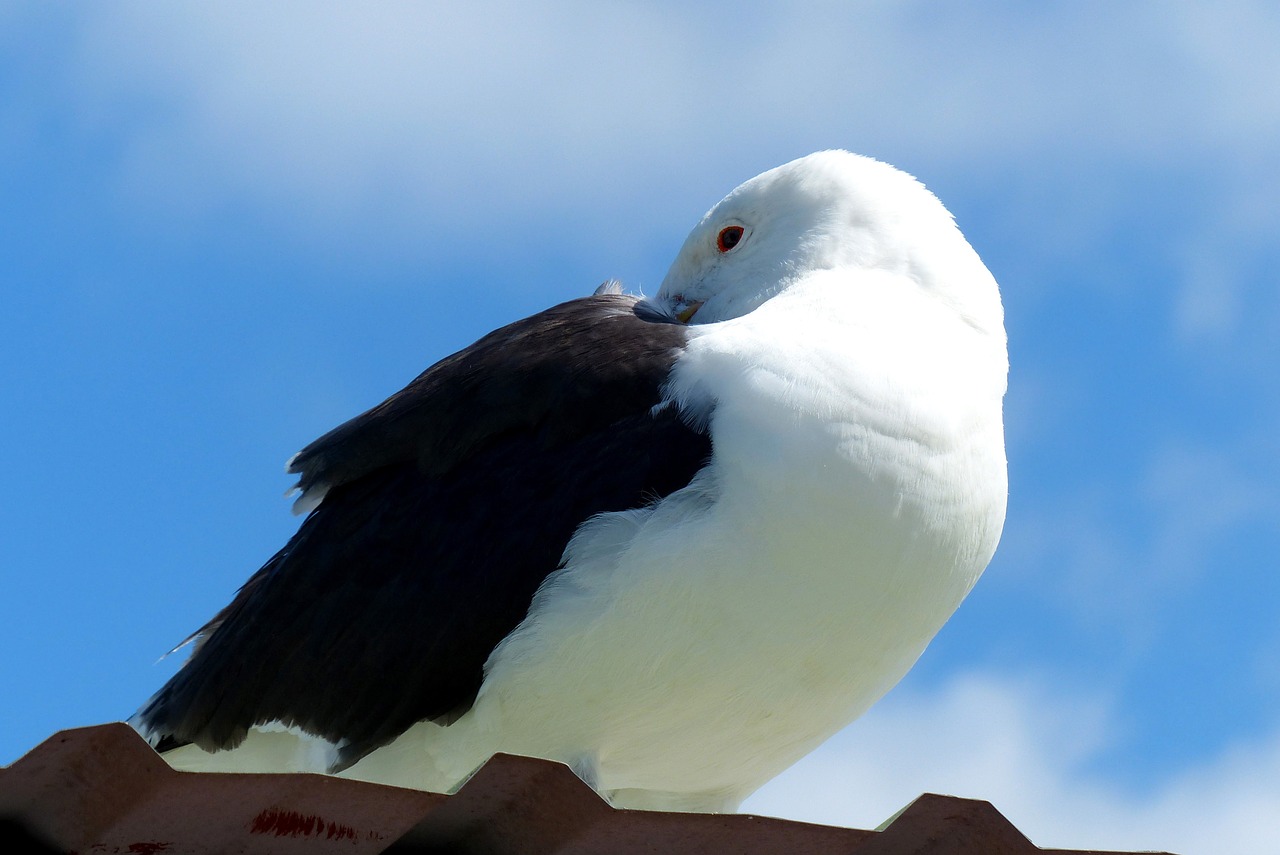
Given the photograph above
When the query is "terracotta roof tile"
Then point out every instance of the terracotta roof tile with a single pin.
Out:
(102, 790)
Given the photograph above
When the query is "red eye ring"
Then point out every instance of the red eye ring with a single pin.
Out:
(729, 237)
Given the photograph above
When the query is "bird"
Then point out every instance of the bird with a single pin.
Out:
(674, 542)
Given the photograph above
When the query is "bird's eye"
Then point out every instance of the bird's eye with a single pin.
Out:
(728, 238)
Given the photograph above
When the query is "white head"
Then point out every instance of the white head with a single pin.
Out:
(832, 209)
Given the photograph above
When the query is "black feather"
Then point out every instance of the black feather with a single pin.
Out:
(448, 505)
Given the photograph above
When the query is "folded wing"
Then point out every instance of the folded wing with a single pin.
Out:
(440, 512)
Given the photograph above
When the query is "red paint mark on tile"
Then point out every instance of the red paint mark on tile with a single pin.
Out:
(291, 823)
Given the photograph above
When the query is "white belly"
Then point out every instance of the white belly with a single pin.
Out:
(720, 648)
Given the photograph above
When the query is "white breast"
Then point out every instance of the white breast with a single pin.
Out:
(856, 494)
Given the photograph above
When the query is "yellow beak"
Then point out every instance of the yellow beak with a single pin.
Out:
(686, 314)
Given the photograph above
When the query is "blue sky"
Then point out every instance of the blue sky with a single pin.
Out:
(226, 229)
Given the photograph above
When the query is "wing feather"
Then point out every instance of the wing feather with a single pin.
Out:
(444, 509)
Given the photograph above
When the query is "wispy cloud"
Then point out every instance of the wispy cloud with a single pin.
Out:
(1032, 749)
(327, 110)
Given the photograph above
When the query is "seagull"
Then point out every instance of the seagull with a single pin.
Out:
(673, 542)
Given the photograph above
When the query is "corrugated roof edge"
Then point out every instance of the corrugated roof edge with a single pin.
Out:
(103, 790)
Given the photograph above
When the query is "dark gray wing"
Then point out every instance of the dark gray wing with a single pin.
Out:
(572, 369)
(446, 507)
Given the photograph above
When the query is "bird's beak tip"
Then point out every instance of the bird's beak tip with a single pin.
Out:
(686, 314)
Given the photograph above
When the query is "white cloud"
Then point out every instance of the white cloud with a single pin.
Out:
(1231, 46)
(1037, 753)
(455, 112)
